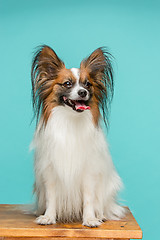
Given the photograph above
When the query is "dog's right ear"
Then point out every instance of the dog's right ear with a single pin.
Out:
(46, 62)
(45, 68)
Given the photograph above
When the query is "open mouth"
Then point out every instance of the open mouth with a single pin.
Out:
(77, 105)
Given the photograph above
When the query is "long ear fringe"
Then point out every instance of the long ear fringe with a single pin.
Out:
(108, 81)
(45, 66)
(99, 65)
(34, 75)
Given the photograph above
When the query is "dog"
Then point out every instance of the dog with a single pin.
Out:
(75, 179)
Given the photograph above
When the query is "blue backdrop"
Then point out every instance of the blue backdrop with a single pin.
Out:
(74, 29)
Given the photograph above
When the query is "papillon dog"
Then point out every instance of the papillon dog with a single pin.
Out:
(75, 179)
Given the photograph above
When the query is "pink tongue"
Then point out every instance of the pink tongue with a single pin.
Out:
(81, 106)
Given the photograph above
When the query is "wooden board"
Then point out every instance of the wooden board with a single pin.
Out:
(14, 223)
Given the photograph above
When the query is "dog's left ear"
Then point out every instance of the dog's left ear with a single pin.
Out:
(99, 67)
(99, 64)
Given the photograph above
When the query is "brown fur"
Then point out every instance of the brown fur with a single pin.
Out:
(94, 104)
(97, 68)
(52, 100)
(49, 73)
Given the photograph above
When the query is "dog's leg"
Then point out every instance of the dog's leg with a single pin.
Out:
(99, 208)
(50, 214)
(89, 218)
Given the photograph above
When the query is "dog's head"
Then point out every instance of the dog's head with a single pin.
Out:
(89, 87)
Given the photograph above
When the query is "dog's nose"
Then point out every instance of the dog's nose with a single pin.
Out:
(82, 93)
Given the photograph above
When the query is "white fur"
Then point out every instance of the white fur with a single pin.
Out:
(76, 73)
(75, 176)
(74, 93)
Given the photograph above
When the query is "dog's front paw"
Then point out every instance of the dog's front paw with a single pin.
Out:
(92, 222)
(45, 220)
(102, 219)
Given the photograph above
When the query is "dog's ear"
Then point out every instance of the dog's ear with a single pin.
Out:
(99, 67)
(46, 62)
(45, 68)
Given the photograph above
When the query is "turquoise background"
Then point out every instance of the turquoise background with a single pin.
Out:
(131, 30)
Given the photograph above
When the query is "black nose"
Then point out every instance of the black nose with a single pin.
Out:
(82, 93)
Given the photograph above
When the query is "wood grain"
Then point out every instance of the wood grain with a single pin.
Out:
(13, 223)
(52, 238)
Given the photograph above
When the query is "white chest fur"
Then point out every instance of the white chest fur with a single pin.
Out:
(70, 143)
(71, 157)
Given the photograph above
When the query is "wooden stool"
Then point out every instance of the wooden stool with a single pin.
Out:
(15, 225)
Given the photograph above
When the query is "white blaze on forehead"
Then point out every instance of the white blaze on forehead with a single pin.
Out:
(74, 92)
(76, 73)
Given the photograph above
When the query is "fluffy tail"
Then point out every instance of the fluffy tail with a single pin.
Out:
(29, 209)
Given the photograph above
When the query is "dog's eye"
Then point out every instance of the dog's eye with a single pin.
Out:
(88, 84)
(67, 84)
